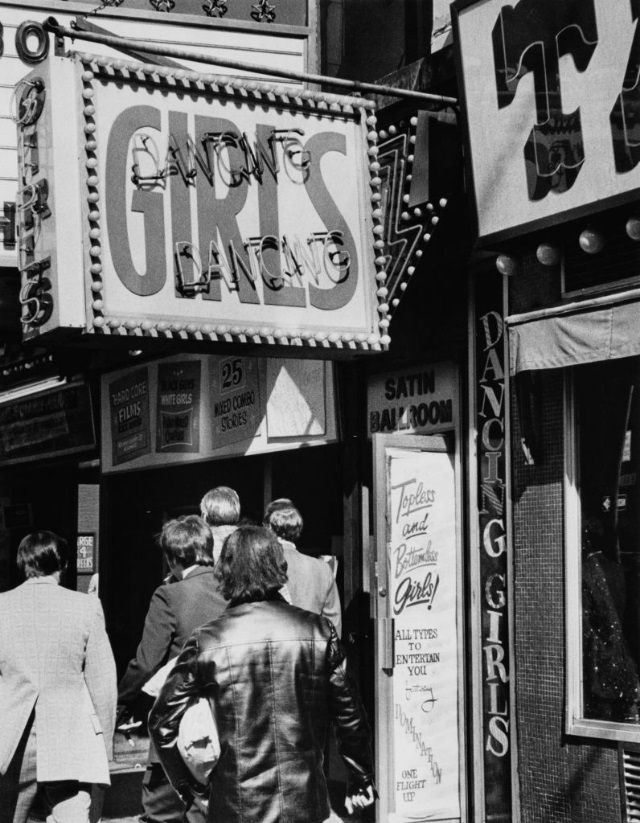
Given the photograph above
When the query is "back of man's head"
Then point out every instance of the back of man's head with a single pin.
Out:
(186, 541)
(251, 566)
(221, 506)
(284, 520)
(42, 553)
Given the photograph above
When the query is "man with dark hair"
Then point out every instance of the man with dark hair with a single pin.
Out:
(57, 689)
(220, 509)
(274, 676)
(175, 610)
(310, 584)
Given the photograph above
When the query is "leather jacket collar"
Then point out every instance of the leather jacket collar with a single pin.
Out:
(271, 596)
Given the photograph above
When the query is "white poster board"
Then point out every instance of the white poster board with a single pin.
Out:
(420, 724)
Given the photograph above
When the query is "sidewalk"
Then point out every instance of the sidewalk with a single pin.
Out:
(122, 802)
(122, 799)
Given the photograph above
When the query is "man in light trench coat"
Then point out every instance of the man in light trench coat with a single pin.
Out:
(57, 690)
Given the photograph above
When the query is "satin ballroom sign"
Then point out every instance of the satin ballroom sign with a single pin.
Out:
(422, 575)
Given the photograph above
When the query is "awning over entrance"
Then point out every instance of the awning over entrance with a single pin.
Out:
(604, 328)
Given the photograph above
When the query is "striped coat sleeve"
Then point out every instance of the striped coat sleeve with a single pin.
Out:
(100, 675)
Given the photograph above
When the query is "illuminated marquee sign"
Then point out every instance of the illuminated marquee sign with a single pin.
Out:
(208, 208)
(551, 93)
(419, 160)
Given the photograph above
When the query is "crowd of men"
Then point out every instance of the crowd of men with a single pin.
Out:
(239, 620)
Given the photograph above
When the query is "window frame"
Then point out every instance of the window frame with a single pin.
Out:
(583, 292)
(575, 721)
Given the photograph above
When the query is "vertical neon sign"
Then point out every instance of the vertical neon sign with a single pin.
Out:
(494, 618)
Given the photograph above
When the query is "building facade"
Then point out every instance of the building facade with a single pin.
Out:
(230, 279)
(553, 175)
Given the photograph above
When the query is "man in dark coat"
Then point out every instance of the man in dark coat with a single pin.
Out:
(275, 677)
(220, 510)
(175, 610)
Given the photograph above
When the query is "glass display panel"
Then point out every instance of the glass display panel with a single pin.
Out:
(607, 397)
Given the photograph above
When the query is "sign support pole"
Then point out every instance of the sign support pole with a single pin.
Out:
(353, 86)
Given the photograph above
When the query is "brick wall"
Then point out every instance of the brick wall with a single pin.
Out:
(560, 779)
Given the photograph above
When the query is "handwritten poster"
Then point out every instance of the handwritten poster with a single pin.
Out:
(423, 601)
(178, 428)
(130, 423)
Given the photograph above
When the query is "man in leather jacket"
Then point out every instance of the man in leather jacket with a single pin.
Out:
(275, 676)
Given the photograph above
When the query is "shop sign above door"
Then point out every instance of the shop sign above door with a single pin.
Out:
(420, 399)
(207, 208)
(551, 94)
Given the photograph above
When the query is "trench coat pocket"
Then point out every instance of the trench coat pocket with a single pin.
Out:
(90, 709)
(95, 722)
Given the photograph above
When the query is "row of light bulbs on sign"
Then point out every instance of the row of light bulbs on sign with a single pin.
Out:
(589, 240)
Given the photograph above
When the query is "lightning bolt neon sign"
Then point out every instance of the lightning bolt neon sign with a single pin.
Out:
(408, 217)
(401, 241)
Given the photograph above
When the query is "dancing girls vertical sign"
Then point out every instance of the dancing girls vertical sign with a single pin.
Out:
(493, 549)
(423, 590)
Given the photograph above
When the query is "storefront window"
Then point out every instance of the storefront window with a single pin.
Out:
(607, 418)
